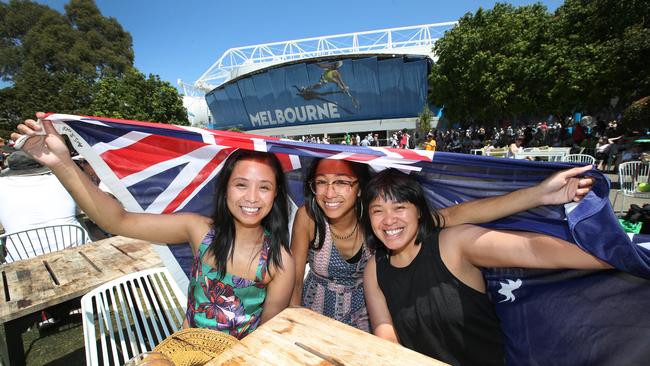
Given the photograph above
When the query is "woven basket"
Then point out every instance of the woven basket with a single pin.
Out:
(195, 346)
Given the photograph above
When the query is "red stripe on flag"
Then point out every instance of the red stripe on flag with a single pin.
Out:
(411, 154)
(149, 151)
(285, 161)
(200, 178)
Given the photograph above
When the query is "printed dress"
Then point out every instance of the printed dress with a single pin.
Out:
(333, 287)
(232, 304)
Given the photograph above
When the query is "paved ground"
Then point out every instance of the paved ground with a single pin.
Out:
(628, 200)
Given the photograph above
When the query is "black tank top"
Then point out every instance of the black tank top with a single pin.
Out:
(436, 314)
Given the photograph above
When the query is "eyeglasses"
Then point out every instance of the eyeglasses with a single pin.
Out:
(339, 186)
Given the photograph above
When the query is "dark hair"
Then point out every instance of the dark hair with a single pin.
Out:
(276, 223)
(393, 185)
(314, 211)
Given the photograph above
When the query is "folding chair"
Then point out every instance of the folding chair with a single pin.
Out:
(579, 158)
(630, 174)
(34, 242)
(131, 315)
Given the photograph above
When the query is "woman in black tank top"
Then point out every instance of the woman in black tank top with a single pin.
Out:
(424, 287)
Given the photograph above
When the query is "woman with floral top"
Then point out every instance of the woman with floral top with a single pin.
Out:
(243, 272)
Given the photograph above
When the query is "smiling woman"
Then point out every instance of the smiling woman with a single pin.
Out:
(424, 288)
(242, 273)
(327, 235)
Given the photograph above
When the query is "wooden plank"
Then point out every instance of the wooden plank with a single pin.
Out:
(77, 270)
(274, 343)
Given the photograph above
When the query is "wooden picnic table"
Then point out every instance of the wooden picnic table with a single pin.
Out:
(299, 336)
(32, 285)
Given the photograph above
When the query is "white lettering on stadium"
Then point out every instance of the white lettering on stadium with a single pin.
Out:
(295, 114)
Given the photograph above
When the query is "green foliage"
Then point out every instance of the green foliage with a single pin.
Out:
(132, 96)
(600, 50)
(510, 62)
(52, 60)
(72, 63)
(487, 66)
(424, 120)
(637, 116)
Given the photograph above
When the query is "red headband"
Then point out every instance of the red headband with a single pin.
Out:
(331, 166)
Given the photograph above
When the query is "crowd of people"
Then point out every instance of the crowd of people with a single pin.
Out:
(608, 142)
(367, 238)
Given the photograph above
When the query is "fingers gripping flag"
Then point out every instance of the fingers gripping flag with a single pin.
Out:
(548, 317)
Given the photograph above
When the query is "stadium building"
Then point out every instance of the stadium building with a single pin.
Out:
(363, 82)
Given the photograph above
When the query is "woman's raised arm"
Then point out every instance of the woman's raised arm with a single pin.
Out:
(50, 150)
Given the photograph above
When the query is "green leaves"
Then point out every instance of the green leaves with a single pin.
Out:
(132, 96)
(510, 62)
(72, 63)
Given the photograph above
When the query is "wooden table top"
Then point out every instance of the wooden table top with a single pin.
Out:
(299, 336)
(34, 284)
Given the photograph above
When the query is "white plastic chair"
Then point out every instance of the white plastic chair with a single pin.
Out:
(34, 242)
(630, 174)
(579, 158)
(134, 313)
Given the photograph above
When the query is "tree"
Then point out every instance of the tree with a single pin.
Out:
(600, 51)
(487, 65)
(73, 63)
(424, 121)
(507, 62)
(636, 117)
(52, 60)
(132, 96)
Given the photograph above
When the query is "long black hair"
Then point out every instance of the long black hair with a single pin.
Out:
(276, 223)
(393, 185)
(314, 211)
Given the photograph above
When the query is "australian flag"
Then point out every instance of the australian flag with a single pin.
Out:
(549, 317)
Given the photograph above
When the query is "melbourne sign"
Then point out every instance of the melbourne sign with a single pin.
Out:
(330, 90)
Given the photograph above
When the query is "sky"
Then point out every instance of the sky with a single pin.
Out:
(182, 39)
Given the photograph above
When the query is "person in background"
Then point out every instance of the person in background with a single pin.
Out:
(515, 147)
(365, 142)
(32, 197)
(404, 139)
(375, 140)
(430, 145)
(603, 148)
(394, 141)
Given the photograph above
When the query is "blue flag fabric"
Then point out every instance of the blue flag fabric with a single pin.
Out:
(549, 317)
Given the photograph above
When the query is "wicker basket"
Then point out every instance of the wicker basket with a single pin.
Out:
(195, 346)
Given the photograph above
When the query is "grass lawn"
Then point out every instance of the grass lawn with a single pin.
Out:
(63, 344)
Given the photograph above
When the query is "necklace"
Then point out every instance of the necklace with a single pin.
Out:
(354, 230)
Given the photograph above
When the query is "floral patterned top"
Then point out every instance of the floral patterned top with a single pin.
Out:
(231, 304)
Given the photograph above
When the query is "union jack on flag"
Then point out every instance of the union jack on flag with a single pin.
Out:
(549, 317)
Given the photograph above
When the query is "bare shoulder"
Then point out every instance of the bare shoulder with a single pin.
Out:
(460, 232)
(303, 225)
(287, 264)
(371, 268)
(198, 226)
(302, 217)
(452, 240)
